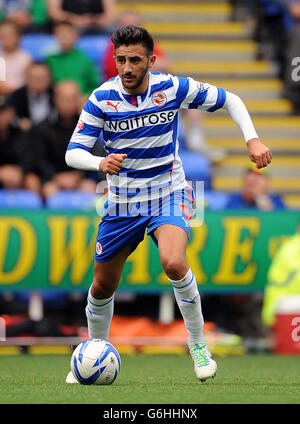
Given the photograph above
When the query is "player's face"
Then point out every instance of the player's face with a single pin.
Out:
(133, 64)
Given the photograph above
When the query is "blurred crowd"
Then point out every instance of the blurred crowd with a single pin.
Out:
(40, 101)
(277, 32)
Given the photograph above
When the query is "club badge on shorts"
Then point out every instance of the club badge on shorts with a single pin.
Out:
(98, 248)
(159, 98)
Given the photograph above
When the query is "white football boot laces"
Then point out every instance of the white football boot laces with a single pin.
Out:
(204, 364)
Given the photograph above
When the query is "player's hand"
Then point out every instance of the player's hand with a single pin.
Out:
(259, 153)
(112, 163)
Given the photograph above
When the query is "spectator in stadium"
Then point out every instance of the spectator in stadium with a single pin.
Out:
(34, 101)
(49, 142)
(71, 62)
(243, 311)
(255, 193)
(15, 160)
(272, 24)
(283, 277)
(88, 16)
(30, 15)
(16, 59)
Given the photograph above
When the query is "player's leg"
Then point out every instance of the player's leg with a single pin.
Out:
(172, 242)
(116, 239)
(100, 300)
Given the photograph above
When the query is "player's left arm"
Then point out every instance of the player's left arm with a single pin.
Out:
(258, 153)
(192, 94)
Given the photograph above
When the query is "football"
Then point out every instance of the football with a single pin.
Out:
(95, 361)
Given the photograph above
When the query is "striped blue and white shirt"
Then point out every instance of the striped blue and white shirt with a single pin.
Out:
(145, 127)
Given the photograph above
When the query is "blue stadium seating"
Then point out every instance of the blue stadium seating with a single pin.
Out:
(19, 199)
(94, 46)
(39, 46)
(52, 299)
(196, 167)
(216, 200)
(71, 199)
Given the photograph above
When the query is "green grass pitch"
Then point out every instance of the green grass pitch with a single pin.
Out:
(153, 379)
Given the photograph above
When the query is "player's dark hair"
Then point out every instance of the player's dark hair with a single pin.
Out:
(131, 34)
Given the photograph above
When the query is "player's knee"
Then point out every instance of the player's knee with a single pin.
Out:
(174, 267)
(102, 290)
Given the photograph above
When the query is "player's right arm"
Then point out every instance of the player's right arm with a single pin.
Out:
(112, 163)
(81, 159)
(87, 131)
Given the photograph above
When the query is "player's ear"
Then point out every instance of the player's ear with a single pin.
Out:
(152, 60)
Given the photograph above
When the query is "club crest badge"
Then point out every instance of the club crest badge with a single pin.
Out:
(98, 248)
(159, 98)
(79, 126)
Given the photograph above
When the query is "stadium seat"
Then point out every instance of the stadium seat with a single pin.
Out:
(44, 44)
(52, 299)
(71, 199)
(216, 200)
(20, 199)
(196, 167)
(39, 46)
(94, 46)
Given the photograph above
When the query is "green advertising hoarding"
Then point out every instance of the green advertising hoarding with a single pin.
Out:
(230, 251)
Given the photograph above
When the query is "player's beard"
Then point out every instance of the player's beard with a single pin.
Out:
(138, 81)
